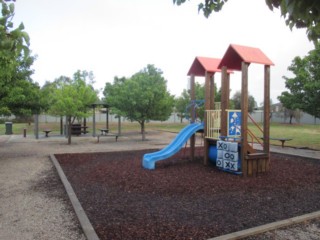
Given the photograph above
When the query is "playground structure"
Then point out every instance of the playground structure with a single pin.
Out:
(217, 126)
(228, 141)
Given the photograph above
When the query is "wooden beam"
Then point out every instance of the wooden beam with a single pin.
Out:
(225, 92)
(244, 116)
(207, 103)
(207, 93)
(193, 97)
(266, 118)
(212, 91)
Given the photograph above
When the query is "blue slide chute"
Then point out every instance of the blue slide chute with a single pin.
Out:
(177, 143)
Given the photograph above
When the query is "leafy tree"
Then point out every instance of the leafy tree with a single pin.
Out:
(292, 114)
(297, 13)
(237, 102)
(181, 103)
(18, 94)
(73, 98)
(140, 98)
(47, 92)
(304, 88)
(23, 100)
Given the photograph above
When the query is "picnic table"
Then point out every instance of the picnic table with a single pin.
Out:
(105, 133)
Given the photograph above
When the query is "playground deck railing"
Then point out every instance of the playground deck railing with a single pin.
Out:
(213, 118)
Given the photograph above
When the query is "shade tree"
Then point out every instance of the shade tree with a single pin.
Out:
(142, 97)
(304, 87)
(73, 98)
(19, 95)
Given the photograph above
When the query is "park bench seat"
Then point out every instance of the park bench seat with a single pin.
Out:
(282, 140)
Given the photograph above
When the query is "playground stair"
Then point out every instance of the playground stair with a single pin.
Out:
(256, 163)
(250, 148)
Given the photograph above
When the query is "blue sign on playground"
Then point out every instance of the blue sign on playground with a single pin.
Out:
(234, 123)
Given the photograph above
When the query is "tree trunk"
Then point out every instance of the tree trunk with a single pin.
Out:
(143, 134)
(69, 130)
(290, 121)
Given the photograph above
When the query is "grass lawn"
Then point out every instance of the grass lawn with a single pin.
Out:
(303, 135)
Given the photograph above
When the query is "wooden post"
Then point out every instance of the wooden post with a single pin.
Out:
(207, 103)
(244, 117)
(107, 118)
(225, 95)
(212, 91)
(192, 96)
(266, 120)
(192, 115)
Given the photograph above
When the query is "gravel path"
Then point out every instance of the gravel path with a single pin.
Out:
(33, 202)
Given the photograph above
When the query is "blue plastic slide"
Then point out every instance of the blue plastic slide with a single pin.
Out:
(177, 143)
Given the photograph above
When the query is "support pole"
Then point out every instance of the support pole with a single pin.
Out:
(225, 95)
(266, 120)
(107, 118)
(193, 117)
(244, 117)
(208, 100)
(212, 91)
(93, 120)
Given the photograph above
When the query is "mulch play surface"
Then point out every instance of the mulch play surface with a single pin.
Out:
(184, 199)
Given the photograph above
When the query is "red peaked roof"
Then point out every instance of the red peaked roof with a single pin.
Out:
(201, 65)
(237, 54)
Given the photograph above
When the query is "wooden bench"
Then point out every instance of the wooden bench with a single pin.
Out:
(282, 140)
(47, 131)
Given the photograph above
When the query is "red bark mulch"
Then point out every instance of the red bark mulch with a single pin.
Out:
(184, 199)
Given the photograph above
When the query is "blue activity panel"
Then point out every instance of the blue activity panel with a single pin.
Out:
(234, 123)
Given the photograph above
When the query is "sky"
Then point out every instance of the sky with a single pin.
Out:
(121, 37)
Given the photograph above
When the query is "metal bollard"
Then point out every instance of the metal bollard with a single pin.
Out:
(24, 132)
